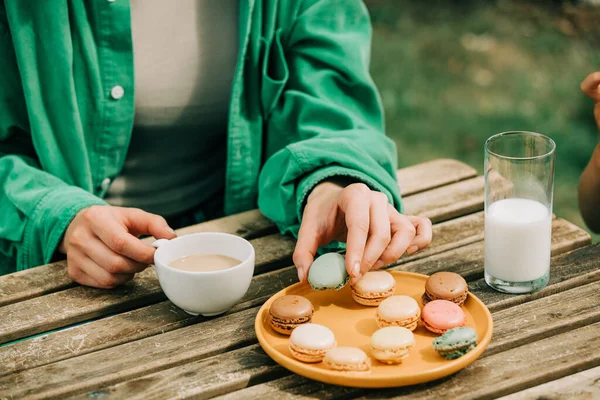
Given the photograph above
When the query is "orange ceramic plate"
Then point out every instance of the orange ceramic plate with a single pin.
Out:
(354, 324)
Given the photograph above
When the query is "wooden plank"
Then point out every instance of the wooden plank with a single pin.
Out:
(503, 373)
(251, 224)
(449, 201)
(567, 271)
(468, 260)
(127, 361)
(148, 321)
(432, 174)
(80, 303)
(53, 277)
(34, 282)
(44, 313)
(118, 329)
(583, 385)
(516, 327)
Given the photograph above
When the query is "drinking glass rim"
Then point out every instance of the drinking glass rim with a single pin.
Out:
(497, 135)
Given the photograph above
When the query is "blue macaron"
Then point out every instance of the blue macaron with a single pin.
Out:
(456, 342)
(328, 272)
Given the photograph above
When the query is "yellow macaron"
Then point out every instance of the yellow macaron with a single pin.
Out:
(373, 288)
(392, 344)
(310, 342)
(401, 311)
(347, 359)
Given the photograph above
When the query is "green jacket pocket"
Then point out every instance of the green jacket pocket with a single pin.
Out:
(275, 73)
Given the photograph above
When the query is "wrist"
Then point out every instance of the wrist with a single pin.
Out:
(323, 188)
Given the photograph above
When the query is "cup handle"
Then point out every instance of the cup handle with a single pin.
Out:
(159, 242)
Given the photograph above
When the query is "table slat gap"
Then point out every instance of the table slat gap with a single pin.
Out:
(252, 224)
(238, 368)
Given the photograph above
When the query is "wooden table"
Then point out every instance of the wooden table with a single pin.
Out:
(131, 343)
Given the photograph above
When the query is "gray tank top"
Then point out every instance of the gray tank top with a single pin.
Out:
(185, 54)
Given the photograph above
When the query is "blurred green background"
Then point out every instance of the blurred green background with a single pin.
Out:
(453, 73)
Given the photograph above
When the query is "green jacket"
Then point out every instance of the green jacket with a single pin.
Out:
(303, 108)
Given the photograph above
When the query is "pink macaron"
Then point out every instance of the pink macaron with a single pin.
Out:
(438, 316)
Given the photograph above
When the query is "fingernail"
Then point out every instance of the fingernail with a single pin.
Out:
(171, 231)
(378, 264)
(300, 274)
(356, 269)
(355, 279)
(412, 250)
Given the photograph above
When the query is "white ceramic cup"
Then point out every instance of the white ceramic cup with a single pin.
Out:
(207, 293)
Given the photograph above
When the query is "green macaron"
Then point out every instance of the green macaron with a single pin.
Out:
(328, 272)
(456, 342)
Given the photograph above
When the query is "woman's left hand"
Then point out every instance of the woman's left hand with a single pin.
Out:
(375, 233)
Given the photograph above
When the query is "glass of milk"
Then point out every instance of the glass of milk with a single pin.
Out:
(519, 182)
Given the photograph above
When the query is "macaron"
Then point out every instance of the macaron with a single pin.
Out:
(401, 311)
(310, 342)
(455, 342)
(373, 288)
(288, 312)
(446, 286)
(347, 359)
(328, 272)
(392, 344)
(441, 315)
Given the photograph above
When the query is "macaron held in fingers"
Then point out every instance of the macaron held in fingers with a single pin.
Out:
(328, 272)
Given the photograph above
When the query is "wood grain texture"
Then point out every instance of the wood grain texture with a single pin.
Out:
(53, 277)
(503, 373)
(137, 324)
(34, 282)
(165, 351)
(44, 313)
(566, 271)
(583, 385)
(432, 174)
(76, 304)
(468, 260)
(251, 224)
(148, 321)
(448, 201)
(73, 305)
(535, 321)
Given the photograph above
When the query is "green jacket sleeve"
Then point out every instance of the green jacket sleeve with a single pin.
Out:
(35, 206)
(329, 110)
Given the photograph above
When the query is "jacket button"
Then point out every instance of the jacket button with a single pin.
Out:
(105, 184)
(117, 92)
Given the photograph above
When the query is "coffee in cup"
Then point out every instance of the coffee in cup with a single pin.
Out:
(205, 287)
(204, 262)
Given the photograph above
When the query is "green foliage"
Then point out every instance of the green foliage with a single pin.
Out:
(453, 73)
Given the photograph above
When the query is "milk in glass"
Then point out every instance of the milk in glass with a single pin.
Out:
(517, 239)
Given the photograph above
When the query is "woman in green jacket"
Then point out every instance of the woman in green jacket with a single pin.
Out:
(237, 103)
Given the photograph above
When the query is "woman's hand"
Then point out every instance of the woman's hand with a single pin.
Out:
(375, 233)
(102, 245)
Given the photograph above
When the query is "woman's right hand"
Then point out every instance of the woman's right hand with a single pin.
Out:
(102, 245)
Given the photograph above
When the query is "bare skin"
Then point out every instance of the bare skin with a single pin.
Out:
(103, 249)
(374, 232)
(589, 184)
(102, 245)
